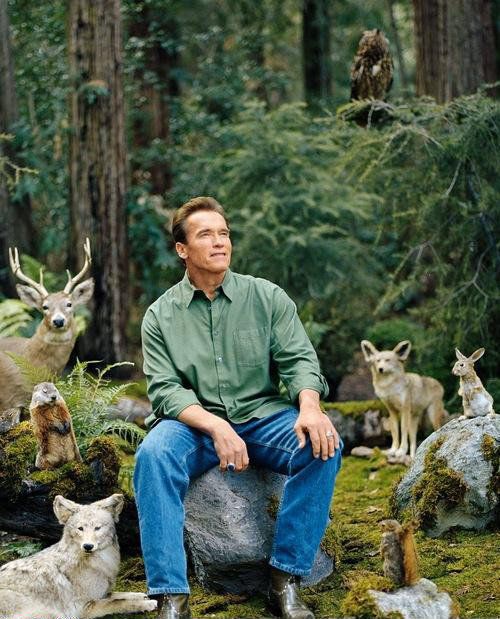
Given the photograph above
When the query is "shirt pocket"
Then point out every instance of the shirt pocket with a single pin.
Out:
(251, 347)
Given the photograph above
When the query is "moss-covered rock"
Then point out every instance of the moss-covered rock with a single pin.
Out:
(18, 449)
(491, 452)
(439, 487)
(359, 603)
(452, 480)
(356, 409)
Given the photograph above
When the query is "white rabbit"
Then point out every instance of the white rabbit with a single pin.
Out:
(476, 401)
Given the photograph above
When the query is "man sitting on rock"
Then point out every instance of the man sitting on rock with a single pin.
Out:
(215, 348)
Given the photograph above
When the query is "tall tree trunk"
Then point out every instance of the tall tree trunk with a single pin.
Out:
(16, 228)
(455, 47)
(156, 85)
(397, 42)
(316, 50)
(98, 169)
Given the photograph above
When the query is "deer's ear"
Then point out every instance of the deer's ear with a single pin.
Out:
(477, 354)
(368, 349)
(30, 296)
(83, 292)
(402, 350)
(64, 508)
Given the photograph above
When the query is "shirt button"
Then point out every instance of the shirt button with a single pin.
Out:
(219, 359)
(216, 333)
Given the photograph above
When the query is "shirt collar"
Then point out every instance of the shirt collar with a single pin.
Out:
(188, 290)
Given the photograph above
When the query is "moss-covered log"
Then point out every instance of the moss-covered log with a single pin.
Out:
(26, 495)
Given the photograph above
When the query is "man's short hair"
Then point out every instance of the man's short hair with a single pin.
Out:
(201, 203)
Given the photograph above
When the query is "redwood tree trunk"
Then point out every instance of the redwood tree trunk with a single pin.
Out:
(316, 50)
(16, 227)
(98, 169)
(156, 85)
(455, 47)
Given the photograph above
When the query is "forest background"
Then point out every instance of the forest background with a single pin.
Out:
(112, 114)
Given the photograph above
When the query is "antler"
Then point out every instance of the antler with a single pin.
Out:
(15, 265)
(72, 281)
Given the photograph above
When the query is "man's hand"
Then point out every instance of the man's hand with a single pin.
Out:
(229, 447)
(312, 420)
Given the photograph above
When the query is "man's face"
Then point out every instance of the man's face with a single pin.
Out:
(208, 246)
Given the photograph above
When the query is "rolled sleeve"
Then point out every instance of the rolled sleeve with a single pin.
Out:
(166, 392)
(292, 351)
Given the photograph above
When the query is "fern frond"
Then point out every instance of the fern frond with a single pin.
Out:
(32, 374)
(14, 315)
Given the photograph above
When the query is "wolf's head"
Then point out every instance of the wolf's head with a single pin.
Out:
(91, 527)
(386, 361)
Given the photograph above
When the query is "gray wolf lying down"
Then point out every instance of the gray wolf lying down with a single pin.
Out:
(73, 578)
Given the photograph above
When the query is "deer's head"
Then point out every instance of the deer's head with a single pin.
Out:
(56, 307)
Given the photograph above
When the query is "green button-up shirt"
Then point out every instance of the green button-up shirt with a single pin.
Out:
(227, 355)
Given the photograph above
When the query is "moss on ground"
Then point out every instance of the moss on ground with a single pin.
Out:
(356, 409)
(439, 487)
(463, 563)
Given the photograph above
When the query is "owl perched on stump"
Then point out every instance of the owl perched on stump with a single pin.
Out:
(372, 70)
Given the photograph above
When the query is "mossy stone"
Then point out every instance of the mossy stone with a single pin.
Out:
(359, 603)
(18, 448)
(438, 487)
(356, 409)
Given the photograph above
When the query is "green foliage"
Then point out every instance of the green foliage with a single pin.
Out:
(19, 550)
(88, 398)
(14, 317)
(150, 244)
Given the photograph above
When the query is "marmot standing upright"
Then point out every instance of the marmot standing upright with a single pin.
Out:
(399, 553)
(53, 429)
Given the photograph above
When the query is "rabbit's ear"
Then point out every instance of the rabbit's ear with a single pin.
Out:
(368, 349)
(477, 354)
(402, 350)
(460, 356)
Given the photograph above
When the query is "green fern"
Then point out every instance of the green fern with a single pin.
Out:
(32, 374)
(88, 397)
(14, 316)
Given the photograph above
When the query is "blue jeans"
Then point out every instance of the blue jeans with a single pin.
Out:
(173, 453)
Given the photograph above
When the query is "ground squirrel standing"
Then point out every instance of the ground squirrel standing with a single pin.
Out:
(52, 426)
(399, 553)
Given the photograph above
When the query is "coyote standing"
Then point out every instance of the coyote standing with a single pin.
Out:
(73, 578)
(406, 395)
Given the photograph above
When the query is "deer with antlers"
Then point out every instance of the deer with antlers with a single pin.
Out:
(52, 343)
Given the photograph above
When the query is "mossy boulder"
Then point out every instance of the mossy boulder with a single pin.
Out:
(18, 449)
(454, 479)
(359, 423)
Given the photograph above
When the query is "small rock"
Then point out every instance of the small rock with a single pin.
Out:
(9, 419)
(362, 452)
(130, 409)
(420, 601)
(393, 458)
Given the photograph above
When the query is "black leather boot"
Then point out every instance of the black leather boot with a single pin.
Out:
(173, 606)
(284, 597)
